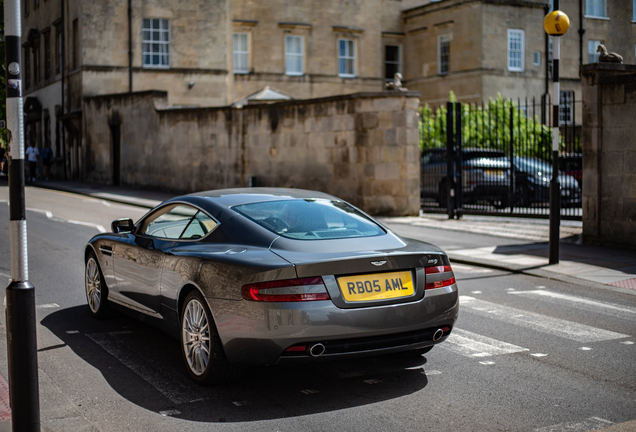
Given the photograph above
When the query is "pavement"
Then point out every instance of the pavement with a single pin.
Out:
(610, 267)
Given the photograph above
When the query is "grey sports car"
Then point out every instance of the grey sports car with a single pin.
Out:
(267, 276)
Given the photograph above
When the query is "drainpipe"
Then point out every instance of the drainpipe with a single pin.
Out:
(63, 53)
(581, 32)
(130, 48)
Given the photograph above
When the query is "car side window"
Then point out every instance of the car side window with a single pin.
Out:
(199, 226)
(168, 222)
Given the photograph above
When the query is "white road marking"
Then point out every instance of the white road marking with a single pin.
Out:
(628, 343)
(433, 372)
(469, 269)
(48, 306)
(542, 323)
(49, 215)
(585, 349)
(475, 292)
(583, 303)
(487, 363)
(539, 355)
(473, 345)
(169, 413)
(584, 426)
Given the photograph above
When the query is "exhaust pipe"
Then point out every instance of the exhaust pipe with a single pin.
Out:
(316, 350)
(438, 334)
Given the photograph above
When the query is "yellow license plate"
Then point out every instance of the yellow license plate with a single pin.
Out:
(493, 172)
(377, 286)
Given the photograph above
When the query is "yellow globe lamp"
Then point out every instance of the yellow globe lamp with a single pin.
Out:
(556, 23)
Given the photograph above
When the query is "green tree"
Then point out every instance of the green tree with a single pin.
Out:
(491, 125)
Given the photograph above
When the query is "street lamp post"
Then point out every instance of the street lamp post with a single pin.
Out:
(20, 294)
(556, 23)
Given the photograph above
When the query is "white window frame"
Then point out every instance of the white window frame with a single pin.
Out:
(592, 46)
(243, 53)
(522, 51)
(443, 58)
(292, 57)
(398, 63)
(155, 42)
(566, 100)
(347, 56)
(592, 6)
(536, 58)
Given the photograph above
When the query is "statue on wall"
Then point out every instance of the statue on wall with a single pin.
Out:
(608, 57)
(396, 84)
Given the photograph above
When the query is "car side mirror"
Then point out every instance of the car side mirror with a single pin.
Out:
(122, 225)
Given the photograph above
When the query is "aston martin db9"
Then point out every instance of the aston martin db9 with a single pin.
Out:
(272, 276)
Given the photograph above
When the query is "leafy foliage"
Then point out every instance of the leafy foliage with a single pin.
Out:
(491, 125)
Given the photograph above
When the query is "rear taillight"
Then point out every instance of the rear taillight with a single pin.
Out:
(289, 290)
(440, 283)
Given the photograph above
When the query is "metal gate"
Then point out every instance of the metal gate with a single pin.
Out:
(499, 156)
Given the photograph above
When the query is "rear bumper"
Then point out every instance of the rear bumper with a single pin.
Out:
(259, 332)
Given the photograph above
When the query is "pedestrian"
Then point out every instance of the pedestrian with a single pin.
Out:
(3, 159)
(33, 156)
(47, 158)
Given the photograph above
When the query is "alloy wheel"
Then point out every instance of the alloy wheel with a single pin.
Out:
(93, 285)
(195, 331)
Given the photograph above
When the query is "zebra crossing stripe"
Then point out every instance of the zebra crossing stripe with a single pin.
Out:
(473, 345)
(537, 322)
(588, 424)
(583, 303)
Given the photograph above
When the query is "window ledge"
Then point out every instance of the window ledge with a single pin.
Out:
(597, 17)
(294, 73)
(346, 76)
(242, 72)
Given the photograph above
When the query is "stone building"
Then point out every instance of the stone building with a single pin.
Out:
(217, 52)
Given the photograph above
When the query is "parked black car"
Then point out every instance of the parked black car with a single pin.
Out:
(572, 164)
(486, 178)
(533, 183)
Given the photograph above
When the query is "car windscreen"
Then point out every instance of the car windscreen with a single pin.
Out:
(310, 219)
(533, 166)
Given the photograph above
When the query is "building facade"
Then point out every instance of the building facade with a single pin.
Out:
(217, 52)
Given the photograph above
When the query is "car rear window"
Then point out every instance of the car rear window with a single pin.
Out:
(311, 219)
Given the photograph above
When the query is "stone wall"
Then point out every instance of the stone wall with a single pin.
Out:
(609, 154)
(363, 147)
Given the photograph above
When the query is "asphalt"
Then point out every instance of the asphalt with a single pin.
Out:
(603, 266)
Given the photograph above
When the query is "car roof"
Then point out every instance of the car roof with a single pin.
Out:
(238, 196)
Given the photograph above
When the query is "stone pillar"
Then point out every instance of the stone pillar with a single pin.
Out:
(609, 154)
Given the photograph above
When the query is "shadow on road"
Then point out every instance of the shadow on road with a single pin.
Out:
(144, 365)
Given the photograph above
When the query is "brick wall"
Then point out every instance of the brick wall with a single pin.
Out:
(609, 154)
(363, 147)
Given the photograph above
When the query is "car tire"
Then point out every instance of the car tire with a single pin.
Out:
(95, 287)
(201, 346)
